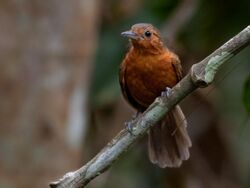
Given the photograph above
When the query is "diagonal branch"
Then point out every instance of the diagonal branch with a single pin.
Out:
(201, 75)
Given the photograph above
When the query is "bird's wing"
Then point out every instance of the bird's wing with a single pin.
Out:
(122, 81)
(125, 90)
(177, 66)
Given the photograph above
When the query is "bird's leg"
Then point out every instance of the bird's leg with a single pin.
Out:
(136, 115)
(166, 93)
(129, 124)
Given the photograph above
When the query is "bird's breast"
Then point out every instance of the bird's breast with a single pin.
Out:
(148, 76)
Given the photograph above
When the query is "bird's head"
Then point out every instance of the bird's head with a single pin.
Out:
(144, 37)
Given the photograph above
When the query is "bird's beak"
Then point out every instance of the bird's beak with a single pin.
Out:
(130, 34)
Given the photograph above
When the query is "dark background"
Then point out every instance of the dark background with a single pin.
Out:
(60, 101)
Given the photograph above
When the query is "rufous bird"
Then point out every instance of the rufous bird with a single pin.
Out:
(146, 71)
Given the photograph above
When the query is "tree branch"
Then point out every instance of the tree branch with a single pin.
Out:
(201, 75)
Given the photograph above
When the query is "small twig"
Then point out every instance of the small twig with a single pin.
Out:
(201, 75)
(178, 19)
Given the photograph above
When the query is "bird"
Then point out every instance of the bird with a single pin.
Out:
(147, 69)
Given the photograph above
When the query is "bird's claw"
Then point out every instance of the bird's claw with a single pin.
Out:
(136, 115)
(129, 127)
(167, 92)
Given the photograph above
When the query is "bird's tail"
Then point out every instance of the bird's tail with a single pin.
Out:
(169, 141)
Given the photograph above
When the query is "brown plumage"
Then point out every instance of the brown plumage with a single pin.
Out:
(146, 71)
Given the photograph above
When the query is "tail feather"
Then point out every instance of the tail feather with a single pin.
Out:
(169, 141)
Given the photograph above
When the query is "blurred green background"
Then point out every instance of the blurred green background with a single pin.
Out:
(60, 100)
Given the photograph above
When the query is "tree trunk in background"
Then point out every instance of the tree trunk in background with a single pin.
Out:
(46, 49)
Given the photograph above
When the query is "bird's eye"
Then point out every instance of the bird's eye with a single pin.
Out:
(147, 33)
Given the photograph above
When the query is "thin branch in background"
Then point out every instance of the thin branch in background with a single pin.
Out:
(180, 17)
(201, 75)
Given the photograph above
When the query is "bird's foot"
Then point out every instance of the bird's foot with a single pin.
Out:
(136, 115)
(166, 93)
(129, 125)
